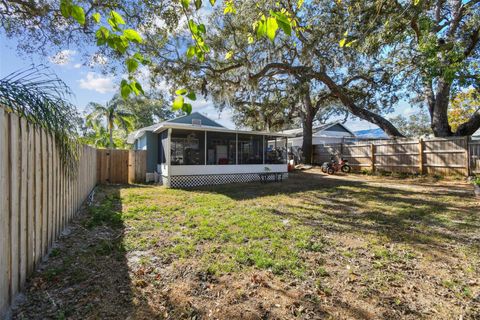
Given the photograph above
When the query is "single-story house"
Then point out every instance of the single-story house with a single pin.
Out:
(322, 134)
(194, 150)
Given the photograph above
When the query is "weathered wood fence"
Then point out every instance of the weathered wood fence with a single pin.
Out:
(442, 156)
(121, 166)
(37, 199)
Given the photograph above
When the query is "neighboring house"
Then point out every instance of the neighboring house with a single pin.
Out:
(322, 134)
(194, 150)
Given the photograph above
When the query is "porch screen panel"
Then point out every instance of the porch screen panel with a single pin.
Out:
(187, 147)
(221, 148)
(276, 150)
(250, 149)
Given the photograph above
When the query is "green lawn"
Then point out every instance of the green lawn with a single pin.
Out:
(310, 247)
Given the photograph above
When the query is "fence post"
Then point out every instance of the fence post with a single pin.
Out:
(421, 164)
(372, 156)
(467, 155)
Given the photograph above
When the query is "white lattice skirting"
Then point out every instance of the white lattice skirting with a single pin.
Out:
(213, 179)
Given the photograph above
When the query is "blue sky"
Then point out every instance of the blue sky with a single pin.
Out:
(89, 84)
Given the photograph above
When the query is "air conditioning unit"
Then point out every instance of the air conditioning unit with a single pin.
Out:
(197, 122)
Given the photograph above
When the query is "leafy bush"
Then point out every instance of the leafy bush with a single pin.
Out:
(476, 181)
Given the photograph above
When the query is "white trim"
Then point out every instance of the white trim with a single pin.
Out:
(183, 126)
(193, 170)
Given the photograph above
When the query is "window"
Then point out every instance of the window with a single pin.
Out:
(187, 147)
(276, 150)
(221, 148)
(250, 149)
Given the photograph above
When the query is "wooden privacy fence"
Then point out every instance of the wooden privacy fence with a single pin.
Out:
(121, 166)
(442, 156)
(37, 199)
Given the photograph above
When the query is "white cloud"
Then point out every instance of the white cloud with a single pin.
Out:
(63, 57)
(77, 65)
(97, 82)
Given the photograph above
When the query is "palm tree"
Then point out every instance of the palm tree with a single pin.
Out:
(113, 114)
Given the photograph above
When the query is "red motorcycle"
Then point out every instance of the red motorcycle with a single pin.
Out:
(334, 166)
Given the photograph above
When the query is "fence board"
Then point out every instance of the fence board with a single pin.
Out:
(37, 199)
(4, 211)
(23, 202)
(44, 189)
(14, 208)
(38, 195)
(443, 156)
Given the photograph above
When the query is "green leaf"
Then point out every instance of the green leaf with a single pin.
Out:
(261, 29)
(139, 88)
(228, 55)
(187, 107)
(350, 43)
(178, 103)
(78, 14)
(139, 57)
(125, 89)
(229, 7)
(181, 92)
(212, 2)
(102, 35)
(193, 26)
(283, 22)
(96, 17)
(342, 42)
(198, 4)
(117, 17)
(191, 51)
(132, 35)
(115, 20)
(192, 96)
(272, 27)
(185, 3)
(250, 39)
(132, 65)
(201, 28)
(66, 8)
(416, 2)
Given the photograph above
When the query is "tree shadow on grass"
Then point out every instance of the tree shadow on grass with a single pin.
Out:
(87, 274)
(427, 216)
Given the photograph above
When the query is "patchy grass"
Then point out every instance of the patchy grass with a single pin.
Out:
(312, 247)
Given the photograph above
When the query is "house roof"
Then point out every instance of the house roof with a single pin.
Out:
(298, 132)
(188, 119)
(186, 122)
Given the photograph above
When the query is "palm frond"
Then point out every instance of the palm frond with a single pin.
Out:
(41, 97)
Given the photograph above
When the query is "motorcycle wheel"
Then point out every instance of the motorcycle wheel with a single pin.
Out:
(346, 169)
(324, 170)
(330, 171)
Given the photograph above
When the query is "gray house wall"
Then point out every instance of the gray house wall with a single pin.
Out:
(152, 151)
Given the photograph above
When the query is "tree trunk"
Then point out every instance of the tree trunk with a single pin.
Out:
(470, 127)
(439, 114)
(307, 146)
(307, 124)
(110, 129)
